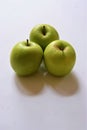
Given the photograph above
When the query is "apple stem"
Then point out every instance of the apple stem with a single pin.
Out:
(44, 30)
(27, 42)
(61, 48)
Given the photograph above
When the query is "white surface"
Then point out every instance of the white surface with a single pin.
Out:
(43, 102)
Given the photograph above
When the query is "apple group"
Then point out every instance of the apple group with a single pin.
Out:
(44, 44)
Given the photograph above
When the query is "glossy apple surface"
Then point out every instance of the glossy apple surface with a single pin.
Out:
(59, 57)
(26, 57)
(43, 34)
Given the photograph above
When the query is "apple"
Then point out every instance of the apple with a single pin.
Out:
(43, 34)
(26, 57)
(59, 57)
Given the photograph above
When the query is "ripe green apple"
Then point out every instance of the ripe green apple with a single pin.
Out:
(43, 34)
(59, 57)
(26, 57)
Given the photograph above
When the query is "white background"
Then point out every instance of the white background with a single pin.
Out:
(43, 102)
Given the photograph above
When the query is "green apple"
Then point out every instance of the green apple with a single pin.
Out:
(26, 57)
(59, 57)
(43, 34)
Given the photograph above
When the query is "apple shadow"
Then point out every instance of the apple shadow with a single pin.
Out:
(65, 86)
(34, 84)
(31, 85)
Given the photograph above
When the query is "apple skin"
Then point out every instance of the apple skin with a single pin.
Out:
(59, 58)
(25, 58)
(43, 34)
